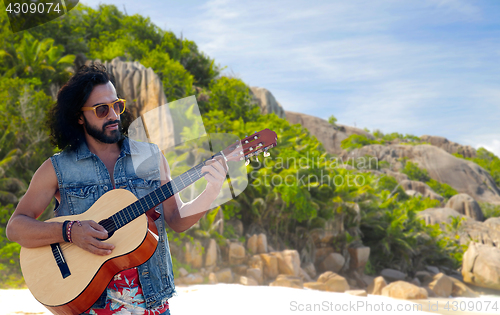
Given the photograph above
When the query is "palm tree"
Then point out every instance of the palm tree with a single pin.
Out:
(33, 58)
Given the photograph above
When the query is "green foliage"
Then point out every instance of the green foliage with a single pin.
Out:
(490, 210)
(23, 108)
(207, 225)
(442, 189)
(231, 96)
(399, 239)
(10, 270)
(411, 139)
(177, 81)
(32, 58)
(176, 265)
(387, 182)
(356, 141)
(23, 147)
(455, 225)
(414, 172)
(488, 161)
(332, 120)
(179, 238)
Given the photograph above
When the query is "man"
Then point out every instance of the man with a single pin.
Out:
(96, 157)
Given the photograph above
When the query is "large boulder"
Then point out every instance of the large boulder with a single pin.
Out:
(236, 254)
(464, 176)
(333, 282)
(287, 281)
(392, 275)
(468, 230)
(359, 258)
(493, 223)
(442, 285)
(461, 289)
(376, 286)
(310, 269)
(225, 276)
(252, 244)
(262, 243)
(466, 205)
(194, 254)
(270, 265)
(397, 175)
(422, 188)
(439, 215)
(333, 262)
(404, 290)
(481, 266)
(256, 274)
(211, 255)
(288, 262)
(330, 136)
(266, 102)
(450, 146)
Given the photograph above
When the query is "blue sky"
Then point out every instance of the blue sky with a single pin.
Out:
(418, 67)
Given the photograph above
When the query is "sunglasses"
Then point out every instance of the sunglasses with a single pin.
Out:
(102, 110)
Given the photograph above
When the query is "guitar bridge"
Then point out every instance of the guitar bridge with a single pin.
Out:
(61, 262)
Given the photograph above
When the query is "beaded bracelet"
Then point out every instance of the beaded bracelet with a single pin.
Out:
(65, 224)
(68, 231)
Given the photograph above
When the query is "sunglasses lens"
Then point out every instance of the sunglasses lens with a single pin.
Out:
(119, 107)
(102, 111)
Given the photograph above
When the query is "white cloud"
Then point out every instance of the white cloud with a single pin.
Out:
(493, 146)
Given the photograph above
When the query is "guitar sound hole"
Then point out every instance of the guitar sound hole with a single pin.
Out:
(109, 226)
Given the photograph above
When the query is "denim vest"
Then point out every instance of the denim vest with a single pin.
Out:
(83, 178)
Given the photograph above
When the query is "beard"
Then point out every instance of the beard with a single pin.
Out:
(100, 134)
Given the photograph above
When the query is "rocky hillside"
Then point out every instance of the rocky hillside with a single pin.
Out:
(464, 176)
(436, 157)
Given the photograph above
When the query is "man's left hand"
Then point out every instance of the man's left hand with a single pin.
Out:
(215, 170)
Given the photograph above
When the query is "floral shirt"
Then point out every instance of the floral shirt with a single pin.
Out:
(124, 297)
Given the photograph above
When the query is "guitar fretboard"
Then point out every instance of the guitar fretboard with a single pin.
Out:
(155, 197)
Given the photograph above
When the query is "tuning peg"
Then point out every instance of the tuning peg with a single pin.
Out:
(247, 162)
(266, 154)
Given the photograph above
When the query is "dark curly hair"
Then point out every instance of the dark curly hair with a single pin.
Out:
(65, 130)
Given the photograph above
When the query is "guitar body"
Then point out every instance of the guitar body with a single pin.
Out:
(90, 274)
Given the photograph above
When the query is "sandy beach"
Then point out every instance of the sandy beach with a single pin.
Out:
(237, 299)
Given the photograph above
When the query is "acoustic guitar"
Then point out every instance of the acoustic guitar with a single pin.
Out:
(69, 280)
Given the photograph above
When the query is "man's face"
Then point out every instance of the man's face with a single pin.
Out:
(107, 129)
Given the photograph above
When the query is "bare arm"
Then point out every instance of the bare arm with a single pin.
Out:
(24, 229)
(172, 207)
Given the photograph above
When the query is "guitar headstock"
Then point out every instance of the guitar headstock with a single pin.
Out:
(253, 145)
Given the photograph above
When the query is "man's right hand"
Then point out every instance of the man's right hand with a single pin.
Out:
(87, 237)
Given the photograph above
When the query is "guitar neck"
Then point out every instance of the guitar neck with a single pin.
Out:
(157, 196)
